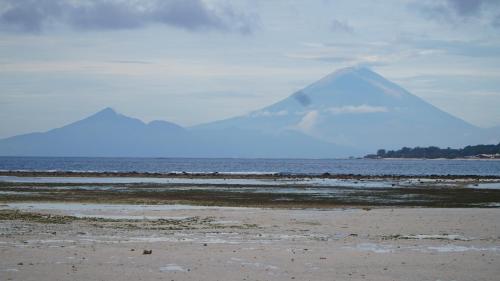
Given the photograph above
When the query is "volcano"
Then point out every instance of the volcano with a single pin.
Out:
(359, 108)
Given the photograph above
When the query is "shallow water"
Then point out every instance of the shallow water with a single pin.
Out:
(172, 267)
(205, 181)
(234, 165)
(76, 208)
(489, 185)
(382, 248)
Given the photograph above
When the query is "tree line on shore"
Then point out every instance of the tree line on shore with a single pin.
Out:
(433, 152)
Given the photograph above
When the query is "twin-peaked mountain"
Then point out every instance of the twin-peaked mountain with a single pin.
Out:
(349, 112)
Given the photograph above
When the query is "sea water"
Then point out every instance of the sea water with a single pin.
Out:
(248, 166)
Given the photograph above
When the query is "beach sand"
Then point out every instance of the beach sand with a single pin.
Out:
(106, 242)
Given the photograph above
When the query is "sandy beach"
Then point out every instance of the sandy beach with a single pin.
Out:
(106, 242)
(247, 227)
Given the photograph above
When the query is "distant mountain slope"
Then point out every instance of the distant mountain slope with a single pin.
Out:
(492, 134)
(234, 142)
(108, 133)
(357, 107)
(104, 133)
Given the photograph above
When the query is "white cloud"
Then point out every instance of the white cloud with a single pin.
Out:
(265, 113)
(307, 122)
(357, 109)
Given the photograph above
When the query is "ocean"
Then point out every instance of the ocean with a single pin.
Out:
(409, 167)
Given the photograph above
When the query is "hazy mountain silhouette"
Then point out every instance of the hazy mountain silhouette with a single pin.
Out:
(349, 112)
(357, 107)
(104, 133)
(492, 134)
(108, 133)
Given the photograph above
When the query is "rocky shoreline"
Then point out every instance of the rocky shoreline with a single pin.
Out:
(217, 175)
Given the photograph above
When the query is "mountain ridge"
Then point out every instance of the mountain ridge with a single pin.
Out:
(109, 134)
(351, 111)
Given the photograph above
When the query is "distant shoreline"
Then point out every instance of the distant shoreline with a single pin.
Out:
(468, 159)
(472, 152)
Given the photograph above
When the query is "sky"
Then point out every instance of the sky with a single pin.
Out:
(195, 61)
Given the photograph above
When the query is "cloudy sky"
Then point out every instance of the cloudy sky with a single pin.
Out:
(193, 61)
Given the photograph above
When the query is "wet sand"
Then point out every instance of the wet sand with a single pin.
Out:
(106, 242)
(311, 192)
